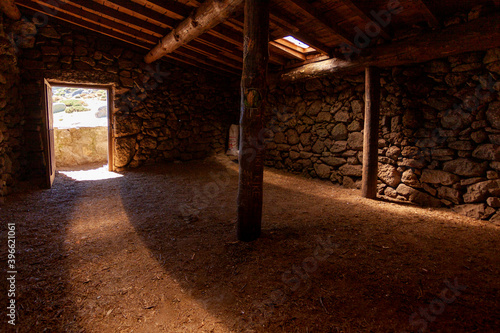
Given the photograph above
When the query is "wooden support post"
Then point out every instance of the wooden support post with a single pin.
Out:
(253, 96)
(370, 139)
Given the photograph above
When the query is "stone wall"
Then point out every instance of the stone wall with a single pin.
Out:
(161, 112)
(80, 146)
(439, 132)
(11, 112)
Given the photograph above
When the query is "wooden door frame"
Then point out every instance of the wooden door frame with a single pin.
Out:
(110, 88)
(48, 134)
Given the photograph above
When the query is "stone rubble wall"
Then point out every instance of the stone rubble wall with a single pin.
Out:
(11, 113)
(162, 112)
(439, 132)
(80, 146)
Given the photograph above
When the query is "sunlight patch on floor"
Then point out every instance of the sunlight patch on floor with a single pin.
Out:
(101, 173)
(113, 293)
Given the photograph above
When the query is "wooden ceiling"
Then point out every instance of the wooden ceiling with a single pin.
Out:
(324, 25)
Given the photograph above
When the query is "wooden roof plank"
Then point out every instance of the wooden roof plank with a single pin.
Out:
(214, 54)
(287, 50)
(227, 34)
(284, 23)
(177, 58)
(172, 8)
(194, 56)
(326, 22)
(145, 12)
(80, 13)
(121, 16)
(476, 35)
(365, 15)
(429, 15)
(29, 6)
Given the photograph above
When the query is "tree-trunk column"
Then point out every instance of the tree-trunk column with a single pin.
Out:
(253, 95)
(370, 140)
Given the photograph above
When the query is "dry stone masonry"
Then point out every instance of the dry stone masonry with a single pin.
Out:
(439, 125)
(11, 113)
(439, 132)
(161, 112)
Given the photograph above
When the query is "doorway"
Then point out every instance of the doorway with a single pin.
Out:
(78, 123)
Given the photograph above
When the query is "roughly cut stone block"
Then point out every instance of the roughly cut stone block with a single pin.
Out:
(322, 170)
(450, 194)
(389, 175)
(438, 177)
(487, 152)
(124, 151)
(475, 211)
(493, 114)
(339, 132)
(465, 167)
(351, 170)
(493, 202)
(355, 141)
(479, 191)
(127, 125)
(334, 161)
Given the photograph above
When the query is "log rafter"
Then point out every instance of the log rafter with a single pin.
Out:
(477, 35)
(205, 17)
(143, 23)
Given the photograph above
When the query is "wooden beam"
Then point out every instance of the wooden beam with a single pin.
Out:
(370, 136)
(81, 14)
(253, 96)
(171, 8)
(9, 8)
(214, 54)
(364, 14)
(196, 56)
(147, 13)
(181, 55)
(428, 14)
(477, 35)
(227, 34)
(293, 30)
(112, 13)
(34, 8)
(325, 22)
(208, 15)
(288, 51)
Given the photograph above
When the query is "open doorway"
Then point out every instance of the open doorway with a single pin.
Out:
(78, 128)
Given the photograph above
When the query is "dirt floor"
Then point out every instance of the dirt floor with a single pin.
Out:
(155, 251)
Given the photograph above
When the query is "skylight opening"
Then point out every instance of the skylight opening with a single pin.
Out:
(296, 42)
